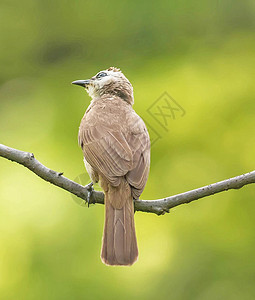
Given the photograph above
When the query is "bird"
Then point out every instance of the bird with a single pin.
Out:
(116, 149)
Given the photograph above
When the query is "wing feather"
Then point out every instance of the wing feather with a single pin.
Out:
(116, 145)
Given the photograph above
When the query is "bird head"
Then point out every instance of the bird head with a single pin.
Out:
(108, 82)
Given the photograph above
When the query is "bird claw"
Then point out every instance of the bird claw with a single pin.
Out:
(90, 189)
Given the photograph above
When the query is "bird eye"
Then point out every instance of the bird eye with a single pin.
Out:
(101, 74)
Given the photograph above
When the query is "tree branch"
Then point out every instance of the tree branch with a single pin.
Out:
(159, 206)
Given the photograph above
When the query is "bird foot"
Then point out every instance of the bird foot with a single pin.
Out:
(90, 189)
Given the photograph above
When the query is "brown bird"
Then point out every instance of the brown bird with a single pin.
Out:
(116, 149)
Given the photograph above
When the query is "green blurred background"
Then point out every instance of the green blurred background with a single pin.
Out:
(202, 54)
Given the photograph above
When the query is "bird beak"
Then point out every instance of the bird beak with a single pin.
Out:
(82, 83)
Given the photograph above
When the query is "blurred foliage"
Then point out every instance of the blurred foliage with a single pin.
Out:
(202, 54)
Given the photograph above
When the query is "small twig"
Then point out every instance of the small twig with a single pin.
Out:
(159, 206)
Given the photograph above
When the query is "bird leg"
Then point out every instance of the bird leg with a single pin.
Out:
(90, 189)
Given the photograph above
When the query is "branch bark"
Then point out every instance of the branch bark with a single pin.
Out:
(159, 206)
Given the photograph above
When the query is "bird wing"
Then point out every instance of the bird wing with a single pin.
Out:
(116, 143)
(139, 141)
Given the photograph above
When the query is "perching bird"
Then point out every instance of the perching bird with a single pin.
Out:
(116, 149)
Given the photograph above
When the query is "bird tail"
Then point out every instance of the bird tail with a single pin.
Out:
(119, 240)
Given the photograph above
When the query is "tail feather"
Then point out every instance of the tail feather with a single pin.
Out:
(119, 241)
